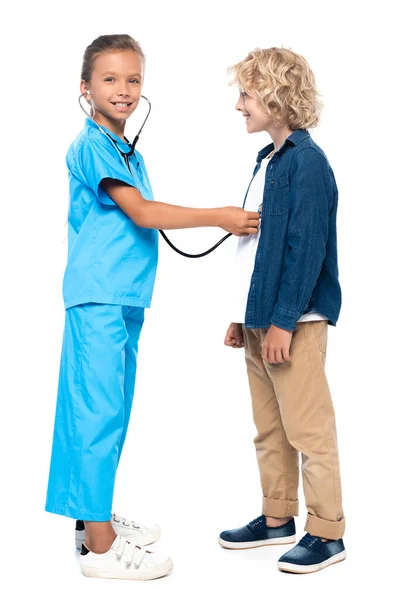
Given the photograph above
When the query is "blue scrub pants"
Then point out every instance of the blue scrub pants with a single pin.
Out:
(95, 393)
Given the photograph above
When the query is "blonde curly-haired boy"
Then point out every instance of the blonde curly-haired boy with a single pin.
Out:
(287, 292)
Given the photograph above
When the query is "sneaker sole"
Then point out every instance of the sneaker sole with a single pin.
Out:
(161, 570)
(290, 568)
(80, 538)
(291, 539)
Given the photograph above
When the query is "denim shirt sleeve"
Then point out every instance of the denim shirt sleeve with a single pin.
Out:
(310, 200)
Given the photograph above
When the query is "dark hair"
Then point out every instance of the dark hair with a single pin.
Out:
(104, 43)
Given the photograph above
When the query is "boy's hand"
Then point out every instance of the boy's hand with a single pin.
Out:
(276, 345)
(239, 221)
(234, 336)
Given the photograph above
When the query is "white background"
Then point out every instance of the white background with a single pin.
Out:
(189, 462)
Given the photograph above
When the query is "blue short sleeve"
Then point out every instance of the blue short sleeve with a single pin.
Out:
(98, 159)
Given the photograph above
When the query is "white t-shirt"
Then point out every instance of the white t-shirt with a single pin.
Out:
(246, 254)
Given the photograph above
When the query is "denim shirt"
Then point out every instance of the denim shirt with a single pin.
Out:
(296, 268)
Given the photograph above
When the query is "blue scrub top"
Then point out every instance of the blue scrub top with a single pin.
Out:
(111, 260)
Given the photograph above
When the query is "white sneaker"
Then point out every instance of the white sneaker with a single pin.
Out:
(124, 560)
(132, 531)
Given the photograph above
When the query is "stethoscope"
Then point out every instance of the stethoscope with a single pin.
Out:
(126, 155)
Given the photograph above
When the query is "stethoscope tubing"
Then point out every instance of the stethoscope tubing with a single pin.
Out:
(126, 155)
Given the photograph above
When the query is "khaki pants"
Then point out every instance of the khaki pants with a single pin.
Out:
(293, 412)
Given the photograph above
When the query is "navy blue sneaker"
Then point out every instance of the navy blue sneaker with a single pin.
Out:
(257, 533)
(312, 554)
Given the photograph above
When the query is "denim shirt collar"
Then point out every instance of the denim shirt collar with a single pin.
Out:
(294, 138)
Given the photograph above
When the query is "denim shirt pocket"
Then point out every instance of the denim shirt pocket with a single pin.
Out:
(276, 195)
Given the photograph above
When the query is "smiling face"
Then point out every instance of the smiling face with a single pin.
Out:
(115, 87)
(256, 118)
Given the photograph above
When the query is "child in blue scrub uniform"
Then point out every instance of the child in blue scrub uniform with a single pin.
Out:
(109, 279)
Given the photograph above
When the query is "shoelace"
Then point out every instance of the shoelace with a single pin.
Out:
(125, 522)
(129, 553)
(257, 521)
(309, 540)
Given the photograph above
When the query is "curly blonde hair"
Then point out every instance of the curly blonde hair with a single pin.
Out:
(284, 85)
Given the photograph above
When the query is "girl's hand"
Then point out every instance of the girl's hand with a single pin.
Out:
(276, 345)
(239, 221)
(234, 336)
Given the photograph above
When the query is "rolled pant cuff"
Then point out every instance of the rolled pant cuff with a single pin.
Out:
(280, 508)
(330, 530)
